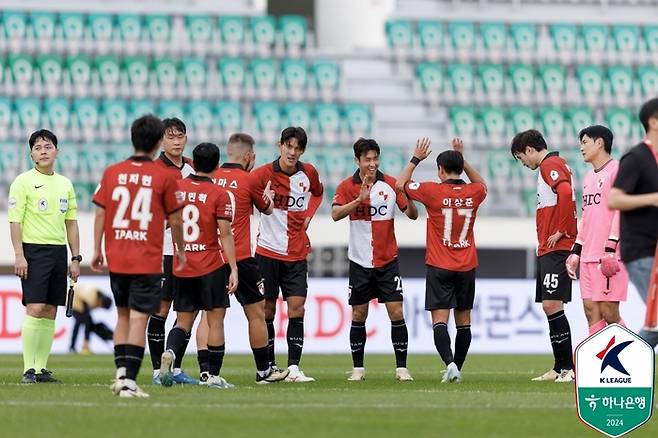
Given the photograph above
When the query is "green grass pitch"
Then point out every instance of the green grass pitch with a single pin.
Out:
(496, 399)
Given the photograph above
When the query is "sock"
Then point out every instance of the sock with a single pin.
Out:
(155, 333)
(262, 359)
(176, 339)
(45, 343)
(597, 327)
(462, 343)
(295, 340)
(178, 361)
(442, 342)
(29, 338)
(215, 359)
(358, 342)
(120, 355)
(621, 322)
(202, 358)
(270, 340)
(400, 340)
(561, 340)
(133, 360)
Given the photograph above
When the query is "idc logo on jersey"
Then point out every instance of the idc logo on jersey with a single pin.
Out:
(292, 203)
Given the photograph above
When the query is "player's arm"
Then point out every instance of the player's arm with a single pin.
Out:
(340, 211)
(228, 245)
(564, 194)
(472, 174)
(421, 152)
(620, 200)
(17, 204)
(175, 220)
(73, 238)
(317, 192)
(411, 211)
(99, 226)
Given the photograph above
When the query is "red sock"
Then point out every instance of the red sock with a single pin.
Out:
(597, 327)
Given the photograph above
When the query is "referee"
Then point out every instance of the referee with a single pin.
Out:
(42, 217)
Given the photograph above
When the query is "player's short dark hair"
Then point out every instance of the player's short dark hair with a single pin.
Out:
(241, 137)
(146, 133)
(451, 161)
(649, 109)
(294, 132)
(44, 134)
(598, 131)
(205, 157)
(364, 145)
(531, 138)
(174, 123)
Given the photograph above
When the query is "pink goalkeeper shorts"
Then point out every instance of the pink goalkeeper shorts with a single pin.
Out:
(594, 285)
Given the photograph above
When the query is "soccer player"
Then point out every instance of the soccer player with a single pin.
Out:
(85, 299)
(556, 233)
(202, 283)
(172, 160)
(282, 244)
(42, 219)
(134, 199)
(603, 280)
(635, 194)
(234, 176)
(451, 257)
(369, 198)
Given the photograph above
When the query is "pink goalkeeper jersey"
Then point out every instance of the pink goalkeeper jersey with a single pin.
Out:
(599, 222)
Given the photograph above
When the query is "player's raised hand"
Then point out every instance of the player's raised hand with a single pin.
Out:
(423, 150)
(233, 281)
(458, 145)
(97, 262)
(268, 193)
(366, 186)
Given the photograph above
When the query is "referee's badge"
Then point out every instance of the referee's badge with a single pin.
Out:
(12, 202)
(43, 204)
(63, 205)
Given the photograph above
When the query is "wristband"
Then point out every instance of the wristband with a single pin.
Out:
(415, 161)
(611, 245)
(576, 249)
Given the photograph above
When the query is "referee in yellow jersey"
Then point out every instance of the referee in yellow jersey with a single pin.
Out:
(42, 217)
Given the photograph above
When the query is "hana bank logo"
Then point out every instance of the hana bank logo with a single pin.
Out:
(609, 357)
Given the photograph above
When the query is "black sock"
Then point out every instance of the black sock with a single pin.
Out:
(181, 351)
(442, 342)
(462, 342)
(202, 358)
(133, 359)
(120, 355)
(176, 339)
(400, 340)
(358, 342)
(560, 332)
(295, 340)
(215, 359)
(270, 340)
(262, 358)
(155, 333)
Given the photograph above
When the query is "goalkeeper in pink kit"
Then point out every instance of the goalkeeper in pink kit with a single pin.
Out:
(603, 278)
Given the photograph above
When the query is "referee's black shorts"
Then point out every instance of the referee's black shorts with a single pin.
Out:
(47, 269)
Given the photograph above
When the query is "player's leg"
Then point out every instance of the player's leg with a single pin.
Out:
(77, 318)
(388, 284)
(269, 269)
(294, 288)
(175, 341)
(465, 292)
(155, 330)
(202, 347)
(215, 300)
(588, 274)
(358, 297)
(181, 376)
(613, 290)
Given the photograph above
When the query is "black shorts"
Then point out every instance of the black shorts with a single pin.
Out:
(206, 292)
(289, 277)
(251, 286)
(140, 292)
(446, 289)
(167, 278)
(47, 269)
(553, 282)
(383, 283)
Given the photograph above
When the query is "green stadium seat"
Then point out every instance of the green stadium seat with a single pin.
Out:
(494, 36)
(199, 28)
(43, 25)
(430, 33)
(102, 26)
(166, 71)
(326, 74)
(461, 77)
(297, 114)
(501, 165)
(595, 37)
(295, 73)
(140, 107)
(524, 36)
(73, 25)
(338, 161)
(231, 29)
(523, 78)
(11, 155)
(50, 68)
(578, 118)
(118, 152)
(200, 114)
(522, 119)
(553, 78)
(158, 27)
(430, 75)
(193, 72)
(590, 79)
(109, 70)
(68, 161)
(293, 29)
(84, 193)
(21, 68)
(462, 35)
(263, 72)
(494, 122)
(492, 77)
(171, 108)
(263, 30)
(553, 123)
(399, 34)
(87, 113)
(229, 115)
(620, 121)
(79, 70)
(648, 76)
(58, 113)
(115, 114)
(328, 118)
(14, 24)
(137, 70)
(626, 38)
(268, 116)
(29, 111)
(392, 160)
(463, 120)
(529, 200)
(93, 161)
(621, 80)
(357, 118)
(232, 71)
(130, 27)
(5, 115)
(650, 33)
(564, 37)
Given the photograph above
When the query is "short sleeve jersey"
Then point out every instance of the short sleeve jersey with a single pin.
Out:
(282, 235)
(451, 209)
(554, 171)
(137, 196)
(42, 204)
(238, 182)
(372, 232)
(638, 174)
(205, 204)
